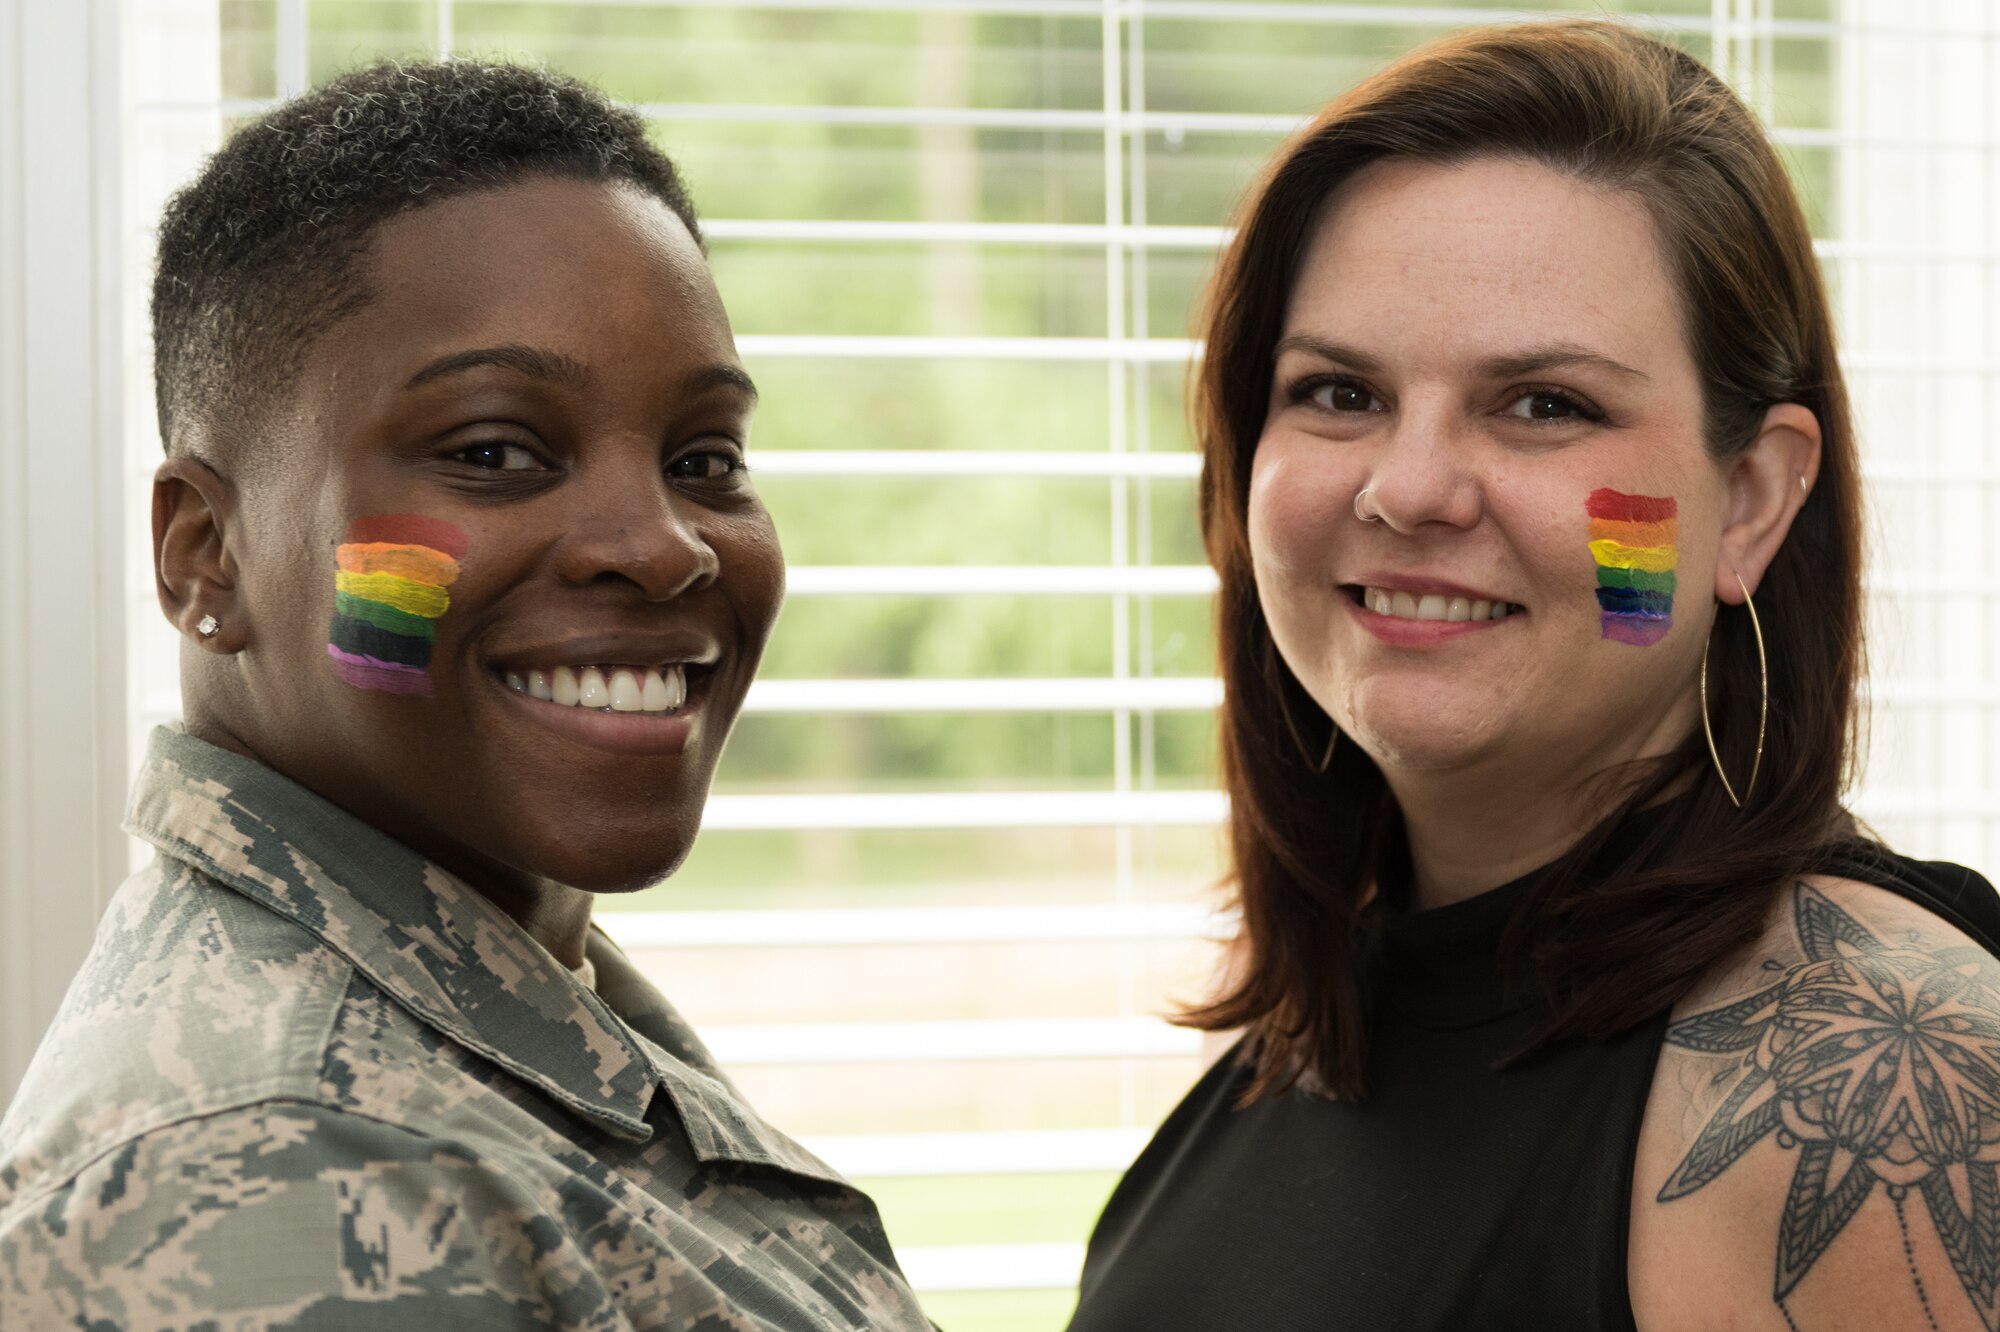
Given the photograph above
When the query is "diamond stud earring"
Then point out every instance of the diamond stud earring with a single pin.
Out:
(208, 626)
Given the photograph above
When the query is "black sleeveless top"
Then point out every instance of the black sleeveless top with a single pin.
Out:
(1455, 1197)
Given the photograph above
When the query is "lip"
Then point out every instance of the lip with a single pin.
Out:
(1397, 631)
(620, 647)
(631, 734)
(1418, 587)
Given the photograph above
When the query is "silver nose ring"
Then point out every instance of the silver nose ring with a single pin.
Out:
(1365, 517)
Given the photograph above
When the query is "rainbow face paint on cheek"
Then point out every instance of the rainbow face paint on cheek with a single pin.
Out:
(1632, 538)
(388, 591)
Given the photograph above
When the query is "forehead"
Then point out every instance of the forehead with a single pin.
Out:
(602, 272)
(1484, 255)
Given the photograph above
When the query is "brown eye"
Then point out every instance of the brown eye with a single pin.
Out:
(1345, 395)
(1550, 405)
(705, 465)
(498, 457)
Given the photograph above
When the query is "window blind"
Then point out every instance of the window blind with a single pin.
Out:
(960, 856)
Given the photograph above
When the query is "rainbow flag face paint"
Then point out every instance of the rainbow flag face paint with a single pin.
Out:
(388, 590)
(1632, 539)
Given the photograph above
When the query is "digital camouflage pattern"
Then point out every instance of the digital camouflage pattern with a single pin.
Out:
(307, 1079)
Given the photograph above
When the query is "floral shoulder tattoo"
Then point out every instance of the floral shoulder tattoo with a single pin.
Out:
(1878, 1062)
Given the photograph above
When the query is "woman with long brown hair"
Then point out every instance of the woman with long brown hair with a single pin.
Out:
(1570, 994)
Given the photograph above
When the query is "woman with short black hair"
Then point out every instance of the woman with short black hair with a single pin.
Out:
(471, 582)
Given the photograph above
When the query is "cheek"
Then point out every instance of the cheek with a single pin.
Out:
(752, 564)
(1296, 504)
(1635, 552)
(392, 583)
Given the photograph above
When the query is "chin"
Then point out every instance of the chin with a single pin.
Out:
(611, 862)
(1432, 742)
(642, 870)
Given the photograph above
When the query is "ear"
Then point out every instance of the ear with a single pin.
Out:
(194, 563)
(1768, 485)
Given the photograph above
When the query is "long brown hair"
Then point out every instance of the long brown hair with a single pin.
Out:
(1598, 953)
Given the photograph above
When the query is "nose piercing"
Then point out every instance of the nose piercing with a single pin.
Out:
(1365, 517)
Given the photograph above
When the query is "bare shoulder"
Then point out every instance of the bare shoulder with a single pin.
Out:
(1821, 1149)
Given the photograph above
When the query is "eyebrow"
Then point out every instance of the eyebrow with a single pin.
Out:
(722, 376)
(555, 367)
(530, 361)
(1557, 355)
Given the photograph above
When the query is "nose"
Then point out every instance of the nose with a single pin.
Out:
(632, 528)
(1423, 479)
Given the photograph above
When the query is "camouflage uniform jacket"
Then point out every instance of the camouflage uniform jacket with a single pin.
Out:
(306, 1078)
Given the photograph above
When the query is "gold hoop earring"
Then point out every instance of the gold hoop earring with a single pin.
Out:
(1763, 704)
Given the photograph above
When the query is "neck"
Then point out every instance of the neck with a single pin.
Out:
(1473, 829)
(555, 915)
(1464, 841)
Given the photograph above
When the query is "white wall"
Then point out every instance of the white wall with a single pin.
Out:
(62, 608)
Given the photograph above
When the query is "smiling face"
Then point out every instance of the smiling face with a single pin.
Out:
(1482, 348)
(517, 472)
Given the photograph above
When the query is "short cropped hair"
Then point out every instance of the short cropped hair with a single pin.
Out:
(266, 249)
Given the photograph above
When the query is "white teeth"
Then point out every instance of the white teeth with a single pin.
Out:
(666, 688)
(1433, 606)
(607, 688)
(653, 695)
(624, 688)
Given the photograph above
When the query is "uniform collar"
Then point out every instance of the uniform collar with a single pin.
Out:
(444, 952)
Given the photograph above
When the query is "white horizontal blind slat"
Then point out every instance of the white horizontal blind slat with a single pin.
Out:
(849, 811)
(1041, 580)
(1010, 1040)
(848, 927)
(917, 463)
(1035, 1151)
(905, 695)
(992, 1266)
